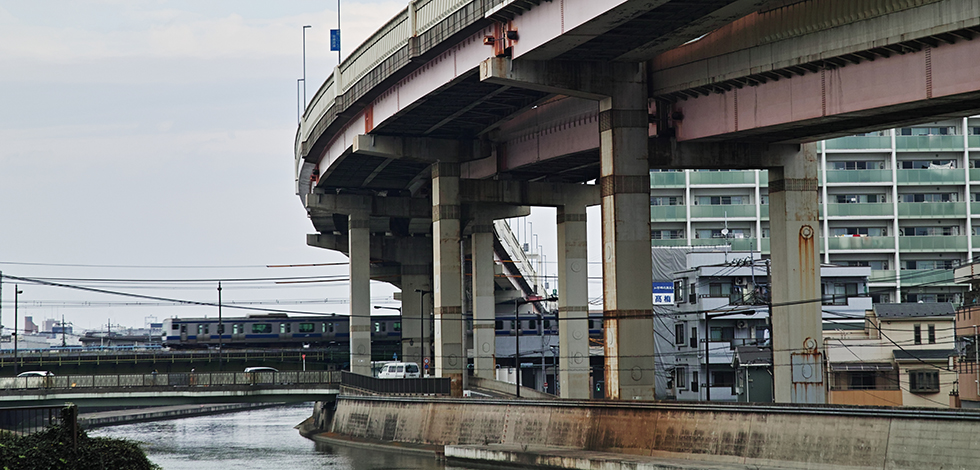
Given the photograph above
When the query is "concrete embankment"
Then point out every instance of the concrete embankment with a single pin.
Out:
(672, 435)
(160, 413)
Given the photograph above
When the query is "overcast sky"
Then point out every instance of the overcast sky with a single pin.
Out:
(148, 140)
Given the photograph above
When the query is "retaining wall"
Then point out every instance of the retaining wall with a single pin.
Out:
(790, 437)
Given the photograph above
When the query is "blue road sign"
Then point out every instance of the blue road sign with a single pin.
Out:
(334, 39)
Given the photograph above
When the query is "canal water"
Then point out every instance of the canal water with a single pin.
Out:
(255, 439)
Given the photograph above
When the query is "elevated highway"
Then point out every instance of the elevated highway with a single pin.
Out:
(453, 105)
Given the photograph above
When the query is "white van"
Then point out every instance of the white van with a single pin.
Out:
(399, 370)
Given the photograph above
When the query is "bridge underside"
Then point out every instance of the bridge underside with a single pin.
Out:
(605, 92)
(171, 396)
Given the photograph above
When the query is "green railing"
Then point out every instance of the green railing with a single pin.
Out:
(934, 243)
(882, 275)
(660, 179)
(668, 213)
(668, 242)
(973, 141)
(911, 277)
(975, 173)
(860, 142)
(859, 209)
(931, 176)
(928, 143)
(932, 209)
(765, 245)
(723, 177)
(764, 212)
(975, 209)
(859, 176)
(723, 210)
(764, 178)
(861, 243)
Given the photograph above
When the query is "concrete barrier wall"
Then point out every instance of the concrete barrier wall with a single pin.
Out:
(768, 436)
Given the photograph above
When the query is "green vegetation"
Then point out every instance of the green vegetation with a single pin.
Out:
(53, 449)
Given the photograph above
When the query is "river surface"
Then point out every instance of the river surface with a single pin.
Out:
(255, 439)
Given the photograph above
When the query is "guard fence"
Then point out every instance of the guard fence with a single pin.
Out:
(185, 379)
(32, 419)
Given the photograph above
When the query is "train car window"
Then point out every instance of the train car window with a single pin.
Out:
(183, 328)
(202, 329)
(175, 326)
(221, 329)
(498, 325)
(306, 328)
(396, 326)
(328, 327)
(285, 328)
(236, 328)
(532, 324)
(513, 325)
(379, 327)
(547, 324)
(262, 328)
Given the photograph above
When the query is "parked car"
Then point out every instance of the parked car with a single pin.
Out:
(399, 370)
(261, 375)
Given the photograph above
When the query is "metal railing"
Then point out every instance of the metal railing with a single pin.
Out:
(185, 379)
(426, 386)
(32, 419)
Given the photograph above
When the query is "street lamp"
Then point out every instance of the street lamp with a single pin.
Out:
(304, 63)
(422, 293)
(376, 307)
(517, 343)
(17, 293)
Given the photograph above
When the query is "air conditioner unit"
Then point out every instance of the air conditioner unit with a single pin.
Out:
(741, 324)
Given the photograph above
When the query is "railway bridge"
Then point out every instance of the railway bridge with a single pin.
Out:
(460, 112)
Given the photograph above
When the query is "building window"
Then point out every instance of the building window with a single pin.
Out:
(694, 337)
(719, 289)
(923, 381)
(861, 381)
(666, 201)
(932, 334)
(859, 198)
(694, 381)
(722, 333)
(927, 131)
(679, 333)
(680, 377)
(872, 165)
(928, 197)
(680, 288)
(667, 234)
(917, 334)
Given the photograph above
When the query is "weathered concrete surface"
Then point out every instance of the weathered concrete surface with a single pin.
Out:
(787, 437)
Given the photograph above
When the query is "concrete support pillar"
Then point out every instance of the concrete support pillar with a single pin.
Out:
(573, 302)
(626, 260)
(359, 251)
(447, 295)
(796, 313)
(415, 312)
(484, 315)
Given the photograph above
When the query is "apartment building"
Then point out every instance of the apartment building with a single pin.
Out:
(902, 202)
(713, 339)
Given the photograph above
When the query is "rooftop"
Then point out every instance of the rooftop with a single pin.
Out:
(914, 310)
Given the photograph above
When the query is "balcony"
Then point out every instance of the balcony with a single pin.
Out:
(723, 177)
(722, 211)
(668, 242)
(865, 397)
(975, 173)
(859, 176)
(928, 143)
(765, 245)
(861, 243)
(931, 176)
(932, 209)
(666, 179)
(668, 213)
(882, 275)
(933, 243)
(911, 277)
(860, 142)
(973, 141)
(868, 209)
(764, 178)
(764, 213)
(744, 244)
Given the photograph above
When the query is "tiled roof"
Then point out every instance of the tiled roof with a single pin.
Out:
(915, 310)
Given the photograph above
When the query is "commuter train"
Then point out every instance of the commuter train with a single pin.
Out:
(282, 331)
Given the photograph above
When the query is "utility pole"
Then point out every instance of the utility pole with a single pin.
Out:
(221, 327)
(63, 342)
(17, 292)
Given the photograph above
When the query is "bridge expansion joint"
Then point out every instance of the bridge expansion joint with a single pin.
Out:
(623, 118)
(623, 184)
(628, 313)
(793, 184)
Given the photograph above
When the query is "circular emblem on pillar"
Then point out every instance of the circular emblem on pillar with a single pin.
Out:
(636, 373)
(806, 371)
(810, 344)
(806, 232)
(577, 334)
(452, 360)
(576, 266)
(486, 347)
(578, 358)
(361, 349)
